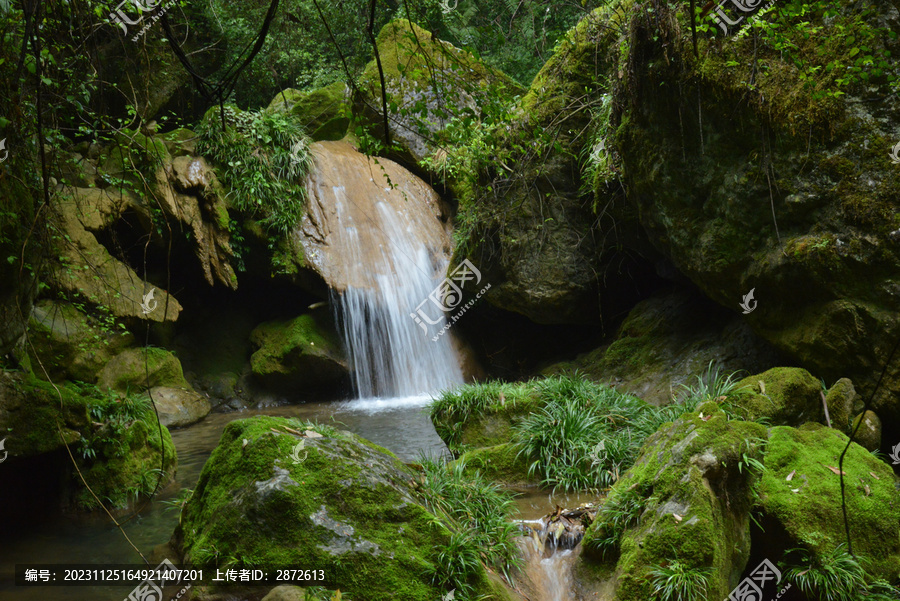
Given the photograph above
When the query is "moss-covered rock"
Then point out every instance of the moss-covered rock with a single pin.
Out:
(500, 463)
(686, 498)
(808, 506)
(297, 354)
(842, 401)
(136, 370)
(178, 407)
(119, 447)
(666, 341)
(482, 415)
(68, 344)
(868, 436)
(429, 81)
(781, 396)
(348, 507)
(286, 593)
(324, 112)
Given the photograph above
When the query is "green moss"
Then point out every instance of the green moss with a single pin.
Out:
(787, 396)
(346, 509)
(303, 350)
(812, 516)
(324, 112)
(40, 416)
(694, 469)
(500, 463)
(135, 370)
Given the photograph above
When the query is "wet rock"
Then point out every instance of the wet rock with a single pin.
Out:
(178, 407)
(135, 370)
(869, 433)
(842, 401)
(297, 355)
(68, 344)
(669, 339)
(336, 502)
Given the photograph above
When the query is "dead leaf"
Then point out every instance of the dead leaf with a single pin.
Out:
(874, 476)
(502, 399)
(836, 470)
(795, 490)
(677, 517)
(791, 476)
(705, 418)
(762, 387)
(311, 434)
(868, 490)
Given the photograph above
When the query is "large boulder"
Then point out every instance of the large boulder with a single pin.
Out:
(666, 341)
(135, 370)
(429, 82)
(70, 345)
(116, 442)
(783, 186)
(325, 113)
(781, 396)
(284, 493)
(298, 354)
(178, 407)
(801, 493)
(686, 499)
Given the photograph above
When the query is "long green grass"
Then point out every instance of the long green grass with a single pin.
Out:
(476, 512)
(835, 576)
(452, 410)
(676, 581)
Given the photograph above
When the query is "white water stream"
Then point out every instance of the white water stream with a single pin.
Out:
(390, 355)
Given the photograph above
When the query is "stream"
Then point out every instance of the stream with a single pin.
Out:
(401, 425)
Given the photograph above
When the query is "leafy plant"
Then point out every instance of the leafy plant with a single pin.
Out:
(831, 576)
(476, 512)
(712, 386)
(676, 581)
(265, 157)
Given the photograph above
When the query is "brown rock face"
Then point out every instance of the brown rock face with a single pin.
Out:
(347, 186)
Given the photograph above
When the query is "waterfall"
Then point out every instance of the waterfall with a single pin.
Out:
(382, 247)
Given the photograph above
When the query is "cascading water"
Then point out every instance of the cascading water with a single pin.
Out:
(375, 233)
(390, 356)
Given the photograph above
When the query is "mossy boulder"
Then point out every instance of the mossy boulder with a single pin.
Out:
(688, 497)
(136, 370)
(482, 415)
(429, 81)
(868, 436)
(842, 401)
(118, 455)
(300, 353)
(68, 344)
(325, 113)
(286, 593)
(808, 506)
(782, 396)
(666, 341)
(500, 463)
(348, 507)
(127, 463)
